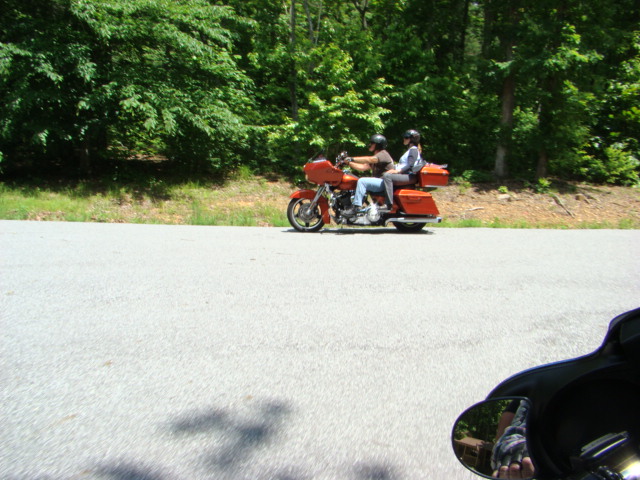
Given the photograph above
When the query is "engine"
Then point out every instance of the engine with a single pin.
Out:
(341, 200)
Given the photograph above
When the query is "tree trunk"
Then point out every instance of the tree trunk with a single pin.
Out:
(84, 158)
(507, 96)
(506, 126)
(543, 161)
(551, 100)
(313, 31)
(487, 28)
(293, 81)
(307, 12)
(362, 8)
(463, 35)
(545, 122)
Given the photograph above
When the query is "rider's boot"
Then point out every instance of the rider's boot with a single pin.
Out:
(352, 210)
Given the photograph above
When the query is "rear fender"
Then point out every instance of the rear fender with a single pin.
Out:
(322, 202)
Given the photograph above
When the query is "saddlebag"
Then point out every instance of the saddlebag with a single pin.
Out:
(415, 202)
(433, 175)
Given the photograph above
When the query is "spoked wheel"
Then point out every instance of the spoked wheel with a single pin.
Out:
(409, 227)
(302, 217)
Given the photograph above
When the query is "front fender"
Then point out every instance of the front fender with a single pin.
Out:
(322, 202)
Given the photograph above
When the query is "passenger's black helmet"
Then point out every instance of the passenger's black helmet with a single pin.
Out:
(379, 140)
(413, 135)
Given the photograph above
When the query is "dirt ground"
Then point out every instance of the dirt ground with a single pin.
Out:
(570, 205)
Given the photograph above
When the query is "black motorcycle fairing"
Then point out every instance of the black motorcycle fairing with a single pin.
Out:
(586, 411)
(620, 345)
(624, 333)
(593, 388)
(614, 456)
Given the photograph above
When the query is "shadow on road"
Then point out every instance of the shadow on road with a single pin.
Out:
(128, 471)
(375, 472)
(230, 441)
(359, 231)
(237, 436)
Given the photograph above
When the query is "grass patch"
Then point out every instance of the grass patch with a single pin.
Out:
(477, 223)
(36, 204)
(465, 223)
(264, 215)
(239, 202)
(624, 224)
(243, 200)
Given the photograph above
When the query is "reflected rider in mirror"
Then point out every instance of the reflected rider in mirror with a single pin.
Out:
(510, 457)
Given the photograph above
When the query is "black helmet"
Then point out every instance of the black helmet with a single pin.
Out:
(379, 140)
(413, 135)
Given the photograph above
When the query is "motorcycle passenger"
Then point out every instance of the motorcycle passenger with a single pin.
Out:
(409, 165)
(379, 163)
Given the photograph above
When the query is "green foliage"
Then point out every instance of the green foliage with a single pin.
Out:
(473, 176)
(335, 112)
(150, 76)
(615, 165)
(542, 185)
(481, 421)
(212, 86)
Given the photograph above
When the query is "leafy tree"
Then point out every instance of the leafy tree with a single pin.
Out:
(316, 77)
(42, 60)
(149, 75)
(559, 59)
(516, 88)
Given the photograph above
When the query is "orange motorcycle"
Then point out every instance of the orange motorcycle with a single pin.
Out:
(413, 206)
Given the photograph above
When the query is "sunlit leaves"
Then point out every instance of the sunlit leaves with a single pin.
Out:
(215, 84)
(151, 73)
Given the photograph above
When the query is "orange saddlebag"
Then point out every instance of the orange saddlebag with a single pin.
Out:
(415, 202)
(433, 176)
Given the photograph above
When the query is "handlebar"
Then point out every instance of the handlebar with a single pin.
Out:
(340, 159)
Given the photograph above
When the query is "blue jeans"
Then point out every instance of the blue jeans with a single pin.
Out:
(367, 184)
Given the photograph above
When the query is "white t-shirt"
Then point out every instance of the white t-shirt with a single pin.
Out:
(408, 160)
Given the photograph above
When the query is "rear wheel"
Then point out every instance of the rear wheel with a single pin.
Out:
(304, 218)
(409, 227)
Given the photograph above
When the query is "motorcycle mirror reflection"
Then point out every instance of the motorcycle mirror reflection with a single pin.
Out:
(490, 439)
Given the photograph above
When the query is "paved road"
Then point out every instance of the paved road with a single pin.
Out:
(136, 352)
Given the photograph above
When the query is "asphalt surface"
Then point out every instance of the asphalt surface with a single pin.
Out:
(141, 352)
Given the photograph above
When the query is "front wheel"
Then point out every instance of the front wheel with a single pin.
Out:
(304, 218)
(409, 227)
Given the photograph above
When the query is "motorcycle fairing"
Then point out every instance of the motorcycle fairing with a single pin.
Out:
(574, 400)
(323, 172)
(322, 202)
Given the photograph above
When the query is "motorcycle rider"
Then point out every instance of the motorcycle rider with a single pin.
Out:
(510, 456)
(409, 165)
(379, 162)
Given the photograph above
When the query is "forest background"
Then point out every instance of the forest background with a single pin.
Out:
(499, 88)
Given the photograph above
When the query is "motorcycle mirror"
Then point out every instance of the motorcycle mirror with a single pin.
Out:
(490, 438)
